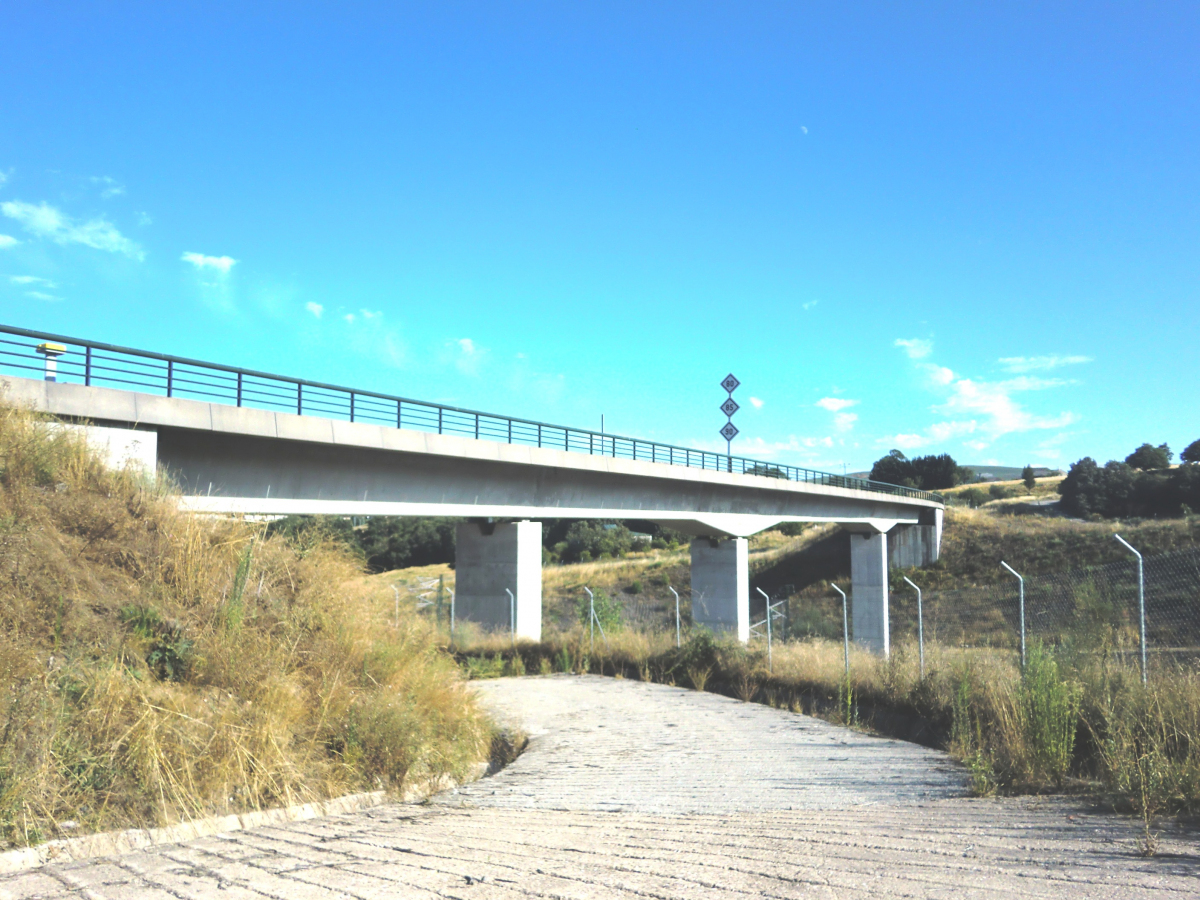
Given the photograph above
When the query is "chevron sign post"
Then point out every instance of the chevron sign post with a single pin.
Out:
(729, 407)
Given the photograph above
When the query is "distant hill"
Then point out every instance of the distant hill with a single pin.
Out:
(990, 473)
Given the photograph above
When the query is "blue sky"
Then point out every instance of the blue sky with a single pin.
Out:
(963, 228)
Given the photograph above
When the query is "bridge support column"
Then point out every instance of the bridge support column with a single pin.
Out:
(721, 585)
(488, 559)
(869, 591)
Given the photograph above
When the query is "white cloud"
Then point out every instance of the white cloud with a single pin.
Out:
(939, 375)
(349, 317)
(810, 304)
(110, 186)
(915, 347)
(144, 219)
(804, 129)
(32, 279)
(835, 404)
(40, 295)
(7, 240)
(219, 264)
(1019, 364)
(467, 346)
(45, 221)
(756, 403)
(978, 445)
(905, 441)
(315, 308)
(368, 315)
(844, 421)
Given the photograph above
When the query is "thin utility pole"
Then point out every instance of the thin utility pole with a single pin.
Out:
(920, 627)
(845, 628)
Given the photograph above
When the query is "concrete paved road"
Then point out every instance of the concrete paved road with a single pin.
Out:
(630, 789)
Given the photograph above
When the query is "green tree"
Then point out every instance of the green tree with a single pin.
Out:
(1191, 453)
(1147, 457)
(1027, 477)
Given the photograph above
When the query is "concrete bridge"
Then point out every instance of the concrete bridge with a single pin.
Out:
(339, 451)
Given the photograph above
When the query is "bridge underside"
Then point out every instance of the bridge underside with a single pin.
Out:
(230, 460)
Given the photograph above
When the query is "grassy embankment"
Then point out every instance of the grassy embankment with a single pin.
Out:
(161, 667)
(1079, 719)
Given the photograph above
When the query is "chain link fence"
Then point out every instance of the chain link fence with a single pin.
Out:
(1090, 606)
(1087, 607)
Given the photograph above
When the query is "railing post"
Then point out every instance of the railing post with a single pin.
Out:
(399, 415)
(170, 376)
(439, 420)
(239, 389)
(591, 441)
(352, 406)
(87, 367)
(567, 439)
(299, 399)
(539, 435)
(476, 426)
(510, 431)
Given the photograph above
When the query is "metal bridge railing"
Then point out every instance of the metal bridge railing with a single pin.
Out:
(95, 364)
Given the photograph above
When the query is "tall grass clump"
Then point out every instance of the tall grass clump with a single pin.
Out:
(161, 666)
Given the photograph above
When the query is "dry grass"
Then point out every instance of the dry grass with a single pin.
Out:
(162, 666)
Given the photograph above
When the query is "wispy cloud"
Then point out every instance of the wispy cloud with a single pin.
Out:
(916, 348)
(756, 403)
(7, 240)
(844, 421)
(32, 279)
(214, 280)
(469, 358)
(45, 221)
(810, 304)
(220, 264)
(1018, 364)
(109, 186)
(315, 308)
(41, 295)
(835, 404)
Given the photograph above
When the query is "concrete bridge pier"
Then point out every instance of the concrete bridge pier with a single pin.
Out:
(869, 591)
(491, 560)
(721, 585)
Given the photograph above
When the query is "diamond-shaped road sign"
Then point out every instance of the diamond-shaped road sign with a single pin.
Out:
(729, 407)
(729, 432)
(730, 383)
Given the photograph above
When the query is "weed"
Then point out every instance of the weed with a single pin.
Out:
(698, 676)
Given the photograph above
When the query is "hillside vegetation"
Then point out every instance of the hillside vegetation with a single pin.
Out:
(162, 666)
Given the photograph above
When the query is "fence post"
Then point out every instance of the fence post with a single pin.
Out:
(591, 621)
(1141, 601)
(676, 593)
(770, 662)
(845, 629)
(920, 627)
(1022, 597)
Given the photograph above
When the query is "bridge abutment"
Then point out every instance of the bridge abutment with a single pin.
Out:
(721, 585)
(489, 561)
(869, 591)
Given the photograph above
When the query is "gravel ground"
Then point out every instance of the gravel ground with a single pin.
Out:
(631, 789)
